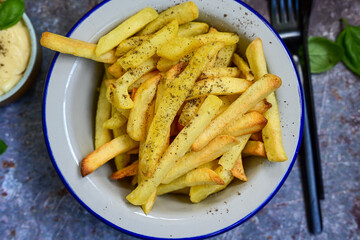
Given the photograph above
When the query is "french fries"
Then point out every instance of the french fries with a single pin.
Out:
(254, 94)
(75, 47)
(126, 29)
(272, 131)
(178, 95)
(218, 86)
(182, 13)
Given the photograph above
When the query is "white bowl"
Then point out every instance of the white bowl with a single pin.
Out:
(31, 71)
(68, 113)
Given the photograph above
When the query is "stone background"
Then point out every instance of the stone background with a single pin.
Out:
(34, 204)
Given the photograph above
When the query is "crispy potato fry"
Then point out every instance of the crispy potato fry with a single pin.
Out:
(146, 207)
(254, 148)
(123, 159)
(128, 171)
(224, 37)
(195, 177)
(103, 113)
(191, 29)
(256, 58)
(117, 120)
(227, 162)
(220, 72)
(106, 152)
(243, 67)
(249, 123)
(178, 48)
(238, 170)
(219, 86)
(136, 127)
(190, 109)
(255, 93)
(75, 47)
(118, 94)
(116, 70)
(182, 13)
(171, 103)
(227, 101)
(148, 48)
(217, 147)
(126, 29)
(272, 131)
(177, 148)
(223, 59)
(130, 43)
(107, 75)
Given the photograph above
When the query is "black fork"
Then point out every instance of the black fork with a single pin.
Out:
(290, 18)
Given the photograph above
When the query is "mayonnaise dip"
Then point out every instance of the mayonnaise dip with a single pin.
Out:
(15, 49)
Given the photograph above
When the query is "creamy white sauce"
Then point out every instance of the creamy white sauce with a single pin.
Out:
(15, 50)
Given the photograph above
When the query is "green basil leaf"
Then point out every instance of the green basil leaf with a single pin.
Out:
(11, 11)
(3, 147)
(349, 39)
(324, 54)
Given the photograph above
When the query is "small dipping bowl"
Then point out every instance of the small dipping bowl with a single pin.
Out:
(31, 71)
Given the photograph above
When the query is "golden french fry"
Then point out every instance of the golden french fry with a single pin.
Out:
(171, 103)
(107, 75)
(182, 13)
(136, 126)
(75, 47)
(128, 171)
(130, 43)
(116, 70)
(177, 149)
(191, 29)
(224, 37)
(177, 48)
(103, 113)
(256, 58)
(255, 93)
(219, 86)
(223, 59)
(123, 159)
(106, 152)
(217, 147)
(254, 148)
(243, 66)
(238, 170)
(227, 162)
(148, 48)
(195, 177)
(272, 131)
(117, 120)
(249, 123)
(189, 110)
(212, 29)
(220, 72)
(118, 94)
(212, 164)
(126, 29)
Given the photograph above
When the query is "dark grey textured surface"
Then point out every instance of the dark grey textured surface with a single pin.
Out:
(34, 204)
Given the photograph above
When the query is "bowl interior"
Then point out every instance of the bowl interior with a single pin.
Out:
(69, 105)
(32, 60)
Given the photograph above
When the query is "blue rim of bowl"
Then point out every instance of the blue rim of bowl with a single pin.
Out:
(244, 219)
(32, 60)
